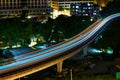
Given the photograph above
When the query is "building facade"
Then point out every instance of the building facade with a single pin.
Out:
(36, 7)
(63, 6)
(66, 3)
(15, 7)
(54, 4)
(86, 9)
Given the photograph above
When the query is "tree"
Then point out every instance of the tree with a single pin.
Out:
(111, 8)
(111, 37)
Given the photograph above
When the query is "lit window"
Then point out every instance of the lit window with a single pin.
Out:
(88, 4)
(86, 14)
(83, 11)
(94, 13)
(77, 6)
(76, 10)
(89, 7)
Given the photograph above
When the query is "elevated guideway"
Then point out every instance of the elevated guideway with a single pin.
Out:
(39, 60)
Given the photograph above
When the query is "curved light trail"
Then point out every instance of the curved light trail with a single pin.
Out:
(80, 40)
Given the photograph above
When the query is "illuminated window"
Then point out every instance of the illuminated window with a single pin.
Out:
(88, 4)
(77, 6)
(94, 13)
(83, 11)
(76, 10)
(89, 7)
(73, 6)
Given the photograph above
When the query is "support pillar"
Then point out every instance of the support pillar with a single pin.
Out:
(59, 67)
(85, 51)
(71, 77)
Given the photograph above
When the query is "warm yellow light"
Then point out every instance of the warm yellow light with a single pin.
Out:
(103, 5)
(29, 17)
(56, 13)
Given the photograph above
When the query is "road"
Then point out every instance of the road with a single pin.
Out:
(82, 39)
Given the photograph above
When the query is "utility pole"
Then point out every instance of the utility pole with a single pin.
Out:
(71, 76)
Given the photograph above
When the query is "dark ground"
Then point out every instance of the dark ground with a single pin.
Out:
(86, 67)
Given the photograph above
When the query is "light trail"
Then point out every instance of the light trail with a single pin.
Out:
(81, 39)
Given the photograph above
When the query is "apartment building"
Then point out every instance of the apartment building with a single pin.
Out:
(37, 7)
(86, 9)
(63, 6)
(16, 7)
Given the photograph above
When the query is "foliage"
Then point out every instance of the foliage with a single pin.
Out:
(111, 34)
(16, 31)
(111, 8)
(110, 37)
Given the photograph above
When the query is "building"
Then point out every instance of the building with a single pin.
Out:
(37, 7)
(86, 9)
(54, 4)
(66, 3)
(63, 6)
(16, 7)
